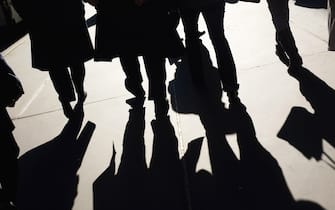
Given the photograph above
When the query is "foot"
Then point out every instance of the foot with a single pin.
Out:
(67, 109)
(82, 97)
(282, 55)
(233, 99)
(136, 102)
(295, 62)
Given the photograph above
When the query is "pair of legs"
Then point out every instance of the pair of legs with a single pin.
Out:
(286, 48)
(214, 18)
(63, 83)
(8, 170)
(156, 72)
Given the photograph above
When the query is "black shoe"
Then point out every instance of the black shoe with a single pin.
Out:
(67, 109)
(136, 102)
(233, 99)
(282, 55)
(82, 97)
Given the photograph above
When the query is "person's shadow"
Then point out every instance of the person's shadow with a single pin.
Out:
(48, 173)
(205, 100)
(304, 130)
(262, 182)
(255, 180)
(135, 185)
(125, 189)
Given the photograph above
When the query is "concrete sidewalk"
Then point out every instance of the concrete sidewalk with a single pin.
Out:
(266, 89)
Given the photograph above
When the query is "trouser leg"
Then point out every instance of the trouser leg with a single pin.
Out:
(62, 83)
(155, 67)
(193, 44)
(131, 68)
(280, 17)
(78, 76)
(214, 18)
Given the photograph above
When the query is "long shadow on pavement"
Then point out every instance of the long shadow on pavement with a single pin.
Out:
(48, 173)
(304, 130)
(135, 185)
(255, 181)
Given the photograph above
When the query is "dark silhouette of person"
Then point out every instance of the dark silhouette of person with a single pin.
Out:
(48, 173)
(255, 180)
(128, 29)
(213, 13)
(286, 48)
(11, 90)
(263, 185)
(59, 40)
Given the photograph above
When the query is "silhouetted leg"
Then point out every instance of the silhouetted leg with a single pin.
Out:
(8, 168)
(78, 76)
(214, 19)
(190, 21)
(133, 81)
(280, 17)
(62, 82)
(155, 67)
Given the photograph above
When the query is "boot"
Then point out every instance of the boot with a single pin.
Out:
(286, 40)
(280, 52)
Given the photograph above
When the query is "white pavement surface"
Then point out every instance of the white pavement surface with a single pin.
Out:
(266, 89)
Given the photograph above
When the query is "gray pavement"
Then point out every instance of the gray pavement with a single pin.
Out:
(266, 89)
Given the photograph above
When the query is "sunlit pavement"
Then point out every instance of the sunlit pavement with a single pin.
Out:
(266, 89)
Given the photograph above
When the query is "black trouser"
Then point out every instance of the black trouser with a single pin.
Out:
(156, 72)
(214, 18)
(63, 82)
(279, 10)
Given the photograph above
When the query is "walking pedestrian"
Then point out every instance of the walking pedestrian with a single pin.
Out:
(213, 13)
(59, 40)
(128, 29)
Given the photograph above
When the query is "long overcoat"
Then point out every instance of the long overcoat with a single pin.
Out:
(125, 28)
(58, 32)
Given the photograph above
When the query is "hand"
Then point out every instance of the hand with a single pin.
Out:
(139, 2)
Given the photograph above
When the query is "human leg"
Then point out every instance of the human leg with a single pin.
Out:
(133, 81)
(156, 72)
(78, 76)
(62, 83)
(285, 41)
(190, 19)
(214, 18)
